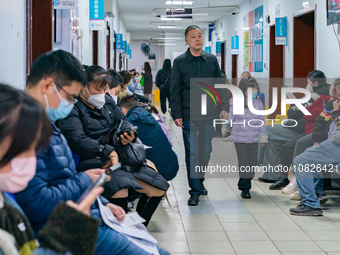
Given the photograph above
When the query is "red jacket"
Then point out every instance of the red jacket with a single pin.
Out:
(315, 109)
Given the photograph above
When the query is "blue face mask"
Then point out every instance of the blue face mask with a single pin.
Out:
(63, 110)
(254, 94)
(136, 78)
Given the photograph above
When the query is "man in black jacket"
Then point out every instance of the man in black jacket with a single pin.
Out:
(197, 129)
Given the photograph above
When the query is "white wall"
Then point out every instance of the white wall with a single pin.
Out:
(13, 43)
(179, 47)
(138, 58)
(327, 46)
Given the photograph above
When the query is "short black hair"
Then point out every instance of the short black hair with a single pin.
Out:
(317, 76)
(115, 79)
(60, 65)
(22, 118)
(128, 101)
(192, 27)
(97, 76)
(126, 76)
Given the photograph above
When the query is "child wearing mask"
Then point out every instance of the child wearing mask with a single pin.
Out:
(246, 132)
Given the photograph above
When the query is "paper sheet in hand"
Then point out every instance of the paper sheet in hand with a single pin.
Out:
(131, 227)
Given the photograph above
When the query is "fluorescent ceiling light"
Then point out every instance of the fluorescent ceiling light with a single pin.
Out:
(172, 2)
(171, 18)
(168, 26)
(166, 38)
(166, 44)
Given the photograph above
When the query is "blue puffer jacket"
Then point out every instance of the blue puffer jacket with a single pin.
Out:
(56, 180)
(152, 135)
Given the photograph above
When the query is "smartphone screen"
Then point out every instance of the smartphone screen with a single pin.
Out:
(100, 182)
(134, 128)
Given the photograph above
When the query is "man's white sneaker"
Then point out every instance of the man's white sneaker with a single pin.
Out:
(295, 196)
(291, 187)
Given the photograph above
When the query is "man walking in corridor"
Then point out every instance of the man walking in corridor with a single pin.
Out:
(197, 130)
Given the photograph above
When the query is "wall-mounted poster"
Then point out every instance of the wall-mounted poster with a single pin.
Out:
(253, 40)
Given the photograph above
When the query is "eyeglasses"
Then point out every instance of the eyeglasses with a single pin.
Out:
(70, 98)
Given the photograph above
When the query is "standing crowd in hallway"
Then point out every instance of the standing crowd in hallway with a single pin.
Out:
(74, 124)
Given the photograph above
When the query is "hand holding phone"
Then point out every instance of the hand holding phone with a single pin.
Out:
(127, 136)
(85, 205)
(100, 182)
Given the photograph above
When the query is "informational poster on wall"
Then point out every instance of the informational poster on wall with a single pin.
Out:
(234, 45)
(119, 43)
(253, 40)
(97, 21)
(218, 48)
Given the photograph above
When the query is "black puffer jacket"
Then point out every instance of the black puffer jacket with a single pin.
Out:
(86, 130)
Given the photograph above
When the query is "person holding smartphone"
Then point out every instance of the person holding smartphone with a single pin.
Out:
(89, 131)
(25, 128)
(56, 79)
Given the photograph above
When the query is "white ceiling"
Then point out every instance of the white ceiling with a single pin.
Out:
(137, 15)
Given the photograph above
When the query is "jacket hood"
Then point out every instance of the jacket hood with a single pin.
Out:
(140, 115)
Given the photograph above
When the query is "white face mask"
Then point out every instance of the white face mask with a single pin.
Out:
(97, 101)
(309, 87)
(22, 171)
(115, 98)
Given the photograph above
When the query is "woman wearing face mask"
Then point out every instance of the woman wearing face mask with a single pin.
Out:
(90, 126)
(24, 127)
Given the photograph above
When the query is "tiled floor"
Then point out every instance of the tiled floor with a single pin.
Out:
(224, 223)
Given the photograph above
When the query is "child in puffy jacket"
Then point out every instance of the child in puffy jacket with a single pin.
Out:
(246, 133)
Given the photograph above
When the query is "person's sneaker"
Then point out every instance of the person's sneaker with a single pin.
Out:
(305, 210)
(295, 196)
(322, 198)
(291, 187)
(226, 134)
(279, 184)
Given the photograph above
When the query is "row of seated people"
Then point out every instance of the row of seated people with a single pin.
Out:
(309, 149)
(79, 108)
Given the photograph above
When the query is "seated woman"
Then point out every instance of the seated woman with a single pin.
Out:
(24, 128)
(89, 130)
